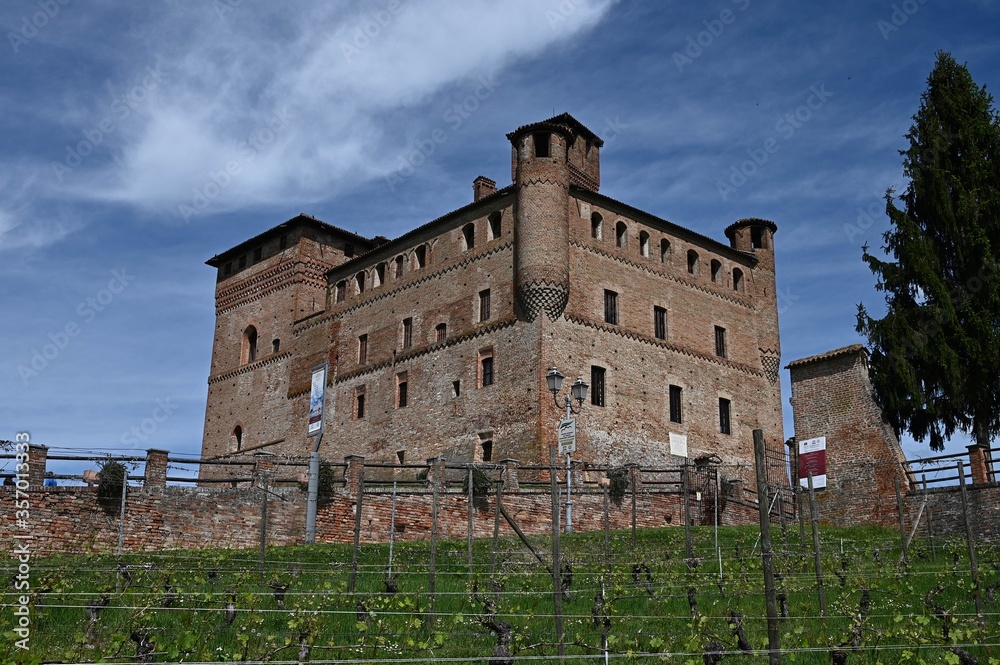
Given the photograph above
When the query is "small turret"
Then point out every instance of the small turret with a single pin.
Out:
(754, 235)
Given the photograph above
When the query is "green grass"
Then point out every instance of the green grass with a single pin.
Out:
(318, 609)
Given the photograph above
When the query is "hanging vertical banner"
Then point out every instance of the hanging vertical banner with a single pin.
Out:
(812, 457)
(317, 398)
(678, 444)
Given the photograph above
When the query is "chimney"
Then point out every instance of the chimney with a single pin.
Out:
(483, 187)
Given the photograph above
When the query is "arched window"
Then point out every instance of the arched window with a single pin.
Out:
(441, 332)
(621, 231)
(341, 291)
(716, 271)
(378, 278)
(644, 243)
(420, 256)
(248, 351)
(738, 280)
(692, 262)
(359, 283)
(399, 267)
(468, 237)
(495, 227)
(596, 226)
(237, 442)
(664, 250)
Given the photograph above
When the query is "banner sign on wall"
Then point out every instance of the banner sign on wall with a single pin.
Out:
(317, 397)
(812, 457)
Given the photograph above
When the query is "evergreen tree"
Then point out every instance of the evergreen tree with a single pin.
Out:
(935, 356)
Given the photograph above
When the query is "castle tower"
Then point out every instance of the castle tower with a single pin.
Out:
(546, 158)
(756, 236)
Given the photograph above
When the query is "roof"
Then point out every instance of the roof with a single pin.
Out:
(302, 219)
(747, 221)
(829, 355)
(563, 122)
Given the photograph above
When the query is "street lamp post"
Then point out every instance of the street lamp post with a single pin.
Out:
(554, 379)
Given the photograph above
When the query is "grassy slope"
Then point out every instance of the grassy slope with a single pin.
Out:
(651, 615)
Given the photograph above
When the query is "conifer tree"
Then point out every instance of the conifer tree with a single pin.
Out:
(935, 355)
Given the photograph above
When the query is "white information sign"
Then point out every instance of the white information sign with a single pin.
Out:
(812, 457)
(678, 444)
(567, 436)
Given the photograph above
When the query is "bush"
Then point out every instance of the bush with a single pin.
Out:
(110, 480)
(327, 483)
(619, 484)
(482, 485)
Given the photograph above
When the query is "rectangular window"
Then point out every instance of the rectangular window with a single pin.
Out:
(341, 291)
(401, 391)
(283, 243)
(675, 404)
(359, 403)
(484, 305)
(229, 268)
(363, 349)
(441, 332)
(542, 144)
(724, 423)
(407, 333)
(243, 261)
(257, 253)
(487, 448)
(348, 251)
(597, 385)
(610, 307)
(720, 341)
(660, 322)
(486, 368)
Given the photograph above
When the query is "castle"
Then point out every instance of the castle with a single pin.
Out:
(439, 341)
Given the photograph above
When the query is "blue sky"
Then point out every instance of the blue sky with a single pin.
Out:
(120, 119)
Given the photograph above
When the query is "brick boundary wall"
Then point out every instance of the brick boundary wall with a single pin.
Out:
(945, 505)
(70, 519)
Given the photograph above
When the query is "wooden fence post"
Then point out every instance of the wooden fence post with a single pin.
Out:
(766, 552)
(970, 539)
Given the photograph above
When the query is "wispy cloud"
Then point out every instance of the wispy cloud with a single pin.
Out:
(202, 135)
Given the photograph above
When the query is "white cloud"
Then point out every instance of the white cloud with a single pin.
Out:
(261, 105)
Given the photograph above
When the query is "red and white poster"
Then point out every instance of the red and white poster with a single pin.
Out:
(812, 457)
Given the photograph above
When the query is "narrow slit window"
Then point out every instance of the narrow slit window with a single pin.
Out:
(644, 244)
(720, 341)
(484, 305)
(675, 404)
(737, 280)
(362, 349)
(725, 426)
(664, 250)
(407, 332)
(401, 391)
(486, 368)
(597, 375)
(660, 323)
(399, 267)
(621, 233)
(610, 307)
